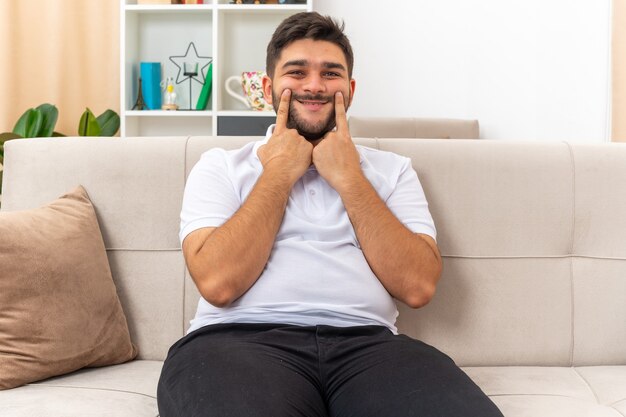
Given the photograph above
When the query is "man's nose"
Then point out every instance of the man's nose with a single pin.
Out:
(314, 84)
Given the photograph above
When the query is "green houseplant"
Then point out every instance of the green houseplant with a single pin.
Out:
(39, 122)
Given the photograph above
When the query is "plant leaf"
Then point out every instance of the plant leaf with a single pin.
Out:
(50, 115)
(88, 125)
(29, 124)
(20, 126)
(109, 122)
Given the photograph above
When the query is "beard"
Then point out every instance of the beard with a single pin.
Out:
(310, 131)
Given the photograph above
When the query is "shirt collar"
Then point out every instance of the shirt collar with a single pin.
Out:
(259, 143)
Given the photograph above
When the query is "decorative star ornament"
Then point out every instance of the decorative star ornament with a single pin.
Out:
(203, 63)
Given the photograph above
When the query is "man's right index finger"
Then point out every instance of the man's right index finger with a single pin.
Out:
(282, 114)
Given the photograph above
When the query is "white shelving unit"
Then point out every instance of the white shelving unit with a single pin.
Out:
(234, 35)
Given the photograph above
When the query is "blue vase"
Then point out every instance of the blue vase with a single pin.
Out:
(151, 84)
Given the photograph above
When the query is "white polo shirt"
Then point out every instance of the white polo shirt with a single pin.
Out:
(316, 273)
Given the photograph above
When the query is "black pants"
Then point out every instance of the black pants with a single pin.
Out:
(269, 370)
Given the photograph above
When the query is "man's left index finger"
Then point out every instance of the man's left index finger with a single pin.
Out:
(340, 112)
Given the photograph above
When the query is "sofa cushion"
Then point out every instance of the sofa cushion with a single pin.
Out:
(30, 401)
(126, 390)
(530, 391)
(60, 309)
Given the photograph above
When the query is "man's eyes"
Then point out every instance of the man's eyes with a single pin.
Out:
(327, 74)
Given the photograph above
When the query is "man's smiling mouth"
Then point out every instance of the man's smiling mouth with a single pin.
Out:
(309, 99)
(313, 101)
(312, 104)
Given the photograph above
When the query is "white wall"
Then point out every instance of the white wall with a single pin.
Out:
(526, 69)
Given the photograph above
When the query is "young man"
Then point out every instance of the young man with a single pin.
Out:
(298, 245)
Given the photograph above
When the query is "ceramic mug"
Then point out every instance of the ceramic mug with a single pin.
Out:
(252, 84)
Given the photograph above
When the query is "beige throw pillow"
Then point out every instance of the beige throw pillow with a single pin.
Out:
(59, 310)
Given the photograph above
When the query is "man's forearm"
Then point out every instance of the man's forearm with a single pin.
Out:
(408, 265)
(405, 263)
(230, 260)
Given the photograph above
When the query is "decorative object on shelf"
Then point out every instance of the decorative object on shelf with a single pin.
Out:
(169, 99)
(139, 103)
(203, 100)
(267, 1)
(151, 77)
(192, 67)
(155, 2)
(252, 84)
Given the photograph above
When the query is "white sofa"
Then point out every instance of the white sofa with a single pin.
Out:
(531, 304)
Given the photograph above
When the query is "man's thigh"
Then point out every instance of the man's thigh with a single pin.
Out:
(401, 377)
(229, 370)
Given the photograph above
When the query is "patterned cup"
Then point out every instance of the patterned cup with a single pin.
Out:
(251, 83)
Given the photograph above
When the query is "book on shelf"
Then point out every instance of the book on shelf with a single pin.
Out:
(203, 99)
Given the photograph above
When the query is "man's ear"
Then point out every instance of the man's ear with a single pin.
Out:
(267, 88)
(352, 88)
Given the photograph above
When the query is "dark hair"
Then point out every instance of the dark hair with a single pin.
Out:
(307, 25)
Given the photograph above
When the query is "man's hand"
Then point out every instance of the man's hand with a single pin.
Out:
(336, 157)
(286, 150)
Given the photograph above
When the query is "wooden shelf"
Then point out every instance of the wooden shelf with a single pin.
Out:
(169, 113)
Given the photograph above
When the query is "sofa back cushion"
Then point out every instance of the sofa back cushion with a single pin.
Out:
(532, 236)
(411, 127)
(136, 187)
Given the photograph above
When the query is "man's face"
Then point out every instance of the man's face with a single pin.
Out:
(314, 71)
